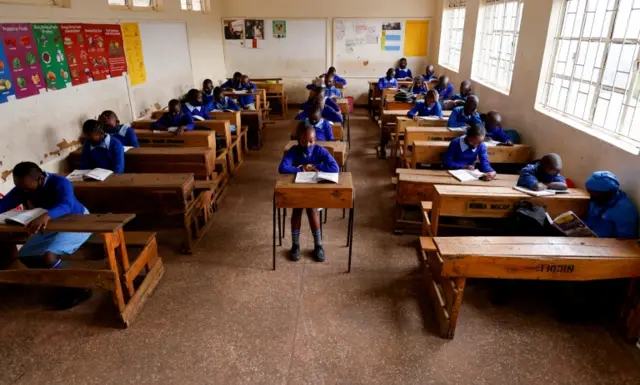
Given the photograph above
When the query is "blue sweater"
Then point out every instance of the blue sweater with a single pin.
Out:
(329, 112)
(226, 103)
(245, 100)
(339, 79)
(230, 85)
(109, 154)
(421, 109)
(55, 195)
(403, 73)
(459, 155)
(419, 90)
(298, 156)
(200, 111)
(324, 132)
(445, 93)
(386, 83)
(459, 96)
(459, 119)
(429, 78)
(207, 101)
(532, 174)
(617, 219)
(167, 121)
(332, 91)
(496, 133)
(125, 135)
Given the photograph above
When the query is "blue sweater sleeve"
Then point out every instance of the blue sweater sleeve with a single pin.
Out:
(227, 84)
(447, 93)
(10, 201)
(332, 103)
(327, 162)
(328, 132)
(339, 80)
(117, 152)
(286, 165)
(85, 157)
(438, 110)
(331, 115)
(454, 119)
(483, 157)
(625, 218)
(450, 162)
(232, 105)
(527, 178)
(499, 135)
(64, 199)
(381, 83)
(414, 111)
(187, 121)
(131, 138)
(409, 74)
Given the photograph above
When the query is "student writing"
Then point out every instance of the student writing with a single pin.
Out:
(193, 105)
(543, 175)
(465, 115)
(444, 88)
(465, 91)
(493, 124)
(337, 79)
(418, 87)
(247, 102)
(100, 150)
(430, 73)
(174, 120)
(402, 72)
(222, 102)
(388, 81)
(122, 132)
(611, 212)
(314, 119)
(465, 151)
(428, 107)
(234, 83)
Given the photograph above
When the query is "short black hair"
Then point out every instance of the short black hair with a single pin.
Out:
(23, 169)
(207, 81)
(404, 58)
(173, 102)
(331, 70)
(217, 91)
(315, 105)
(237, 73)
(108, 114)
(92, 126)
(476, 130)
(192, 94)
(302, 128)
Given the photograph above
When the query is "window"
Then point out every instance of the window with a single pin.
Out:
(594, 74)
(451, 33)
(193, 5)
(152, 4)
(59, 3)
(497, 42)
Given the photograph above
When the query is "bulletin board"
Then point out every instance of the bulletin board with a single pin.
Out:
(275, 47)
(368, 47)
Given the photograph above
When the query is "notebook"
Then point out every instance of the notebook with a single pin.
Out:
(458, 129)
(21, 217)
(542, 193)
(429, 118)
(317, 177)
(198, 118)
(99, 174)
(466, 175)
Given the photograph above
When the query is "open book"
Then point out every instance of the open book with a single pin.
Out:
(571, 226)
(127, 148)
(225, 110)
(21, 217)
(198, 118)
(317, 177)
(434, 118)
(99, 174)
(542, 193)
(458, 129)
(466, 175)
(240, 92)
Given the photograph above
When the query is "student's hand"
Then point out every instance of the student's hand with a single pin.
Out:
(416, 118)
(472, 167)
(539, 187)
(558, 186)
(180, 130)
(309, 168)
(38, 224)
(508, 143)
(489, 176)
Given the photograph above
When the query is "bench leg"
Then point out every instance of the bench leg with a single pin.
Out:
(109, 248)
(455, 311)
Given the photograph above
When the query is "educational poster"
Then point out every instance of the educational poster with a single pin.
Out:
(7, 91)
(340, 30)
(76, 53)
(279, 29)
(372, 36)
(52, 58)
(115, 50)
(391, 39)
(133, 53)
(97, 50)
(254, 33)
(416, 37)
(22, 57)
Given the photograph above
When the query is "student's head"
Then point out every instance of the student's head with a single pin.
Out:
(331, 71)
(431, 70)
(109, 119)
(551, 164)
(314, 111)
(471, 105)
(237, 77)
(390, 73)
(93, 131)
(306, 134)
(194, 97)
(465, 88)
(418, 81)
(493, 119)
(316, 92)
(402, 63)
(443, 82)
(175, 107)
(207, 86)
(475, 135)
(432, 97)
(245, 79)
(328, 81)
(27, 176)
(218, 93)
(602, 186)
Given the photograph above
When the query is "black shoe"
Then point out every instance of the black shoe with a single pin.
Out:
(68, 298)
(295, 253)
(318, 253)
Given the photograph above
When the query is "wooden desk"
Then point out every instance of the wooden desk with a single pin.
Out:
(120, 274)
(417, 134)
(255, 123)
(343, 103)
(150, 138)
(498, 202)
(432, 152)
(403, 121)
(339, 150)
(258, 80)
(288, 194)
(449, 261)
(274, 91)
(336, 129)
(394, 105)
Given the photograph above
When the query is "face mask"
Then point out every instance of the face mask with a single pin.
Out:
(196, 103)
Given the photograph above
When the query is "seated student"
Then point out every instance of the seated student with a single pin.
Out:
(234, 83)
(330, 90)
(207, 95)
(430, 73)
(330, 112)
(611, 213)
(465, 115)
(337, 79)
(123, 132)
(402, 72)
(175, 120)
(543, 175)
(444, 88)
(428, 107)
(248, 102)
(222, 102)
(465, 151)
(418, 87)
(493, 124)
(465, 91)
(193, 105)
(100, 150)
(388, 81)
(307, 156)
(35, 188)
(314, 119)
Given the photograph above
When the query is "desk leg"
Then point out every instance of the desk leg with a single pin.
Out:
(435, 216)
(274, 231)
(284, 223)
(349, 130)
(279, 229)
(352, 212)
(118, 296)
(326, 214)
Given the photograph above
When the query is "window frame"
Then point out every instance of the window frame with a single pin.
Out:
(445, 60)
(486, 18)
(204, 5)
(156, 6)
(44, 3)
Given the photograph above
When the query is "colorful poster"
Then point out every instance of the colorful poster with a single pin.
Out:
(115, 50)
(279, 29)
(97, 50)
(7, 91)
(52, 58)
(416, 37)
(22, 58)
(77, 56)
(133, 53)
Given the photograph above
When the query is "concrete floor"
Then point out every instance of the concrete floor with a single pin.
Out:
(221, 316)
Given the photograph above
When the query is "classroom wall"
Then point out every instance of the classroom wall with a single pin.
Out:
(330, 9)
(582, 153)
(46, 127)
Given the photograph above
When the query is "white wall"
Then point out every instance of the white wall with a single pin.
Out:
(581, 153)
(44, 128)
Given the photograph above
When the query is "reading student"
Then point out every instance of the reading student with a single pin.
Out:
(388, 81)
(331, 110)
(402, 72)
(330, 89)
(314, 119)
(248, 102)
(221, 102)
(123, 132)
(194, 105)
(418, 87)
(430, 73)
(307, 156)
(174, 119)
(611, 212)
(465, 115)
(100, 150)
(444, 88)
(207, 95)
(493, 124)
(428, 107)
(234, 83)
(336, 78)
(543, 175)
(466, 150)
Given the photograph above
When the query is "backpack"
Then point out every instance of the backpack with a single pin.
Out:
(403, 96)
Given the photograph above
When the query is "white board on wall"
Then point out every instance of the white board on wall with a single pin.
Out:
(302, 53)
(368, 47)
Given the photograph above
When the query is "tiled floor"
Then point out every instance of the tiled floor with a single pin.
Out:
(221, 316)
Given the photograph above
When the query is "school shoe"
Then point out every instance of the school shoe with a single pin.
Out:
(318, 254)
(295, 253)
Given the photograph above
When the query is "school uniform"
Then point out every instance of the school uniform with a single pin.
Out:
(57, 197)
(248, 102)
(109, 154)
(420, 90)
(497, 133)
(422, 109)
(386, 83)
(230, 84)
(532, 174)
(207, 101)
(339, 79)
(125, 135)
(459, 96)
(459, 119)
(429, 78)
(167, 121)
(403, 73)
(226, 103)
(330, 111)
(298, 156)
(445, 93)
(460, 155)
(324, 133)
(618, 218)
(195, 111)
(332, 91)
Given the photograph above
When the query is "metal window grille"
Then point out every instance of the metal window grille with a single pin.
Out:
(192, 5)
(452, 31)
(134, 3)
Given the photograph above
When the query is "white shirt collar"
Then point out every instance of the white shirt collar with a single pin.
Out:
(464, 146)
(104, 144)
(191, 107)
(122, 131)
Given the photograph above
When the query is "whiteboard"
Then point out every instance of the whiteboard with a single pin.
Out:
(302, 53)
(358, 47)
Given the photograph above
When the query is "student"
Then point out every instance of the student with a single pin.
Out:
(465, 151)
(428, 107)
(35, 188)
(444, 88)
(430, 73)
(493, 124)
(123, 132)
(465, 115)
(234, 83)
(248, 102)
(418, 87)
(314, 119)
(207, 95)
(175, 120)
(543, 175)
(330, 112)
(221, 102)
(100, 150)
(329, 89)
(337, 79)
(402, 72)
(388, 81)
(307, 156)
(193, 105)
(611, 212)
(465, 91)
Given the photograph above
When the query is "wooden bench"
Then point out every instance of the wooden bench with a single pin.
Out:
(338, 151)
(432, 152)
(234, 118)
(150, 138)
(414, 134)
(403, 121)
(275, 91)
(449, 261)
(336, 128)
(122, 276)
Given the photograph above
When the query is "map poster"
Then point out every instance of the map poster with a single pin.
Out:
(115, 50)
(52, 58)
(7, 91)
(22, 58)
(97, 50)
(77, 55)
(133, 53)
